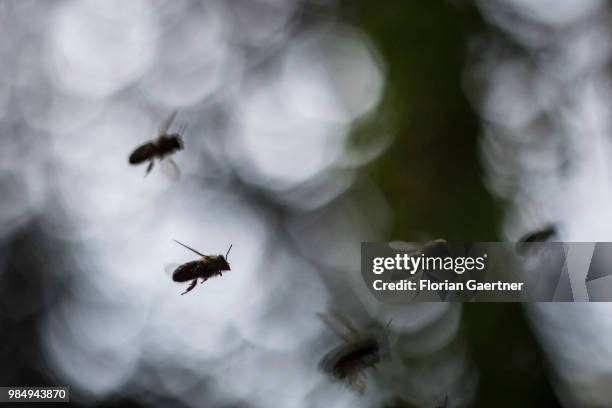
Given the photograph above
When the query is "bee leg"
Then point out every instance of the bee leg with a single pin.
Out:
(191, 286)
(204, 280)
(149, 168)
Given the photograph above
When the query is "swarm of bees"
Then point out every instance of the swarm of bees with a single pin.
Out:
(346, 362)
(160, 148)
(359, 351)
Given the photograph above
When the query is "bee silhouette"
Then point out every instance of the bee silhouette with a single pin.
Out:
(204, 268)
(164, 145)
(348, 361)
(544, 234)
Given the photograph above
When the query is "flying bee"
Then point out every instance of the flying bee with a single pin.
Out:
(444, 403)
(348, 361)
(431, 247)
(204, 268)
(544, 234)
(436, 247)
(164, 145)
(427, 248)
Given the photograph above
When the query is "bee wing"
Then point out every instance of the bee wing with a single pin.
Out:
(165, 125)
(344, 321)
(170, 169)
(337, 327)
(168, 269)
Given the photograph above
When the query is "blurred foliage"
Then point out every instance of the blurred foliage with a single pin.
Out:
(430, 175)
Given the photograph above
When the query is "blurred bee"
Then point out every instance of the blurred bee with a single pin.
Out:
(348, 361)
(445, 403)
(436, 247)
(431, 247)
(427, 248)
(204, 268)
(544, 234)
(160, 148)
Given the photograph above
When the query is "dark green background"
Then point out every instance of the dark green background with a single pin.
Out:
(432, 178)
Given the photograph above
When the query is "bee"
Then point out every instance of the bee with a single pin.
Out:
(348, 361)
(430, 247)
(544, 234)
(160, 148)
(445, 403)
(204, 268)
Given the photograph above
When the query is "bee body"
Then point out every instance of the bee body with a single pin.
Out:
(545, 234)
(164, 145)
(143, 153)
(168, 144)
(203, 268)
(158, 148)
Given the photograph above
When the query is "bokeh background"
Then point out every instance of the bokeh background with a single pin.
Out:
(311, 126)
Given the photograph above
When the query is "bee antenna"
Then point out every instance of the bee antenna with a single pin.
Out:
(189, 248)
(230, 248)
